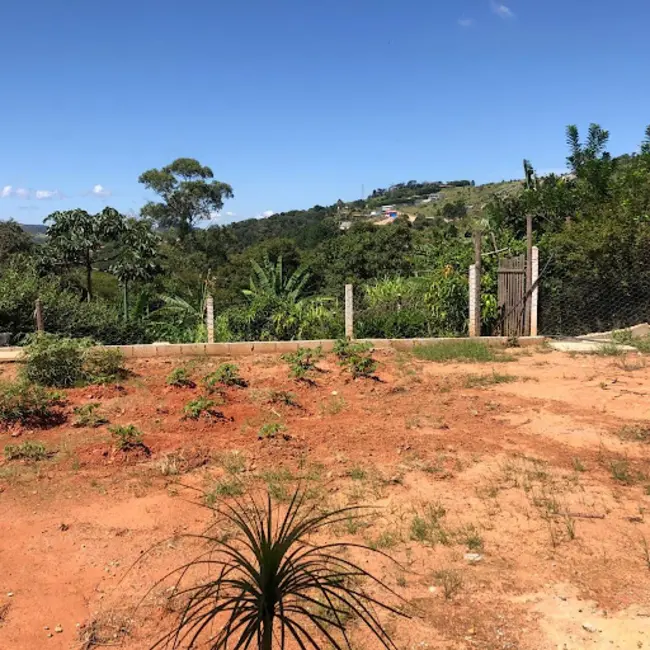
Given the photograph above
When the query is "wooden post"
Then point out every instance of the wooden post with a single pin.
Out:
(472, 300)
(209, 318)
(349, 312)
(534, 298)
(38, 314)
(529, 273)
(477, 285)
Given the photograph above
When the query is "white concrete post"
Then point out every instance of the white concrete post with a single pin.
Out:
(209, 318)
(349, 312)
(534, 296)
(472, 301)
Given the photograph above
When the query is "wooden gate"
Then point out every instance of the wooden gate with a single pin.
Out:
(511, 295)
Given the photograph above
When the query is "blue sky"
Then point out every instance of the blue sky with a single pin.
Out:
(298, 102)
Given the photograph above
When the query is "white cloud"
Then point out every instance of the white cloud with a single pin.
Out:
(502, 10)
(6, 192)
(231, 214)
(268, 213)
(22, 193)
(47, 194)
(214, 215)
(466, 22)
(100, 190)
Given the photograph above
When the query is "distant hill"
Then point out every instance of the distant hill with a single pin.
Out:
(34, 228)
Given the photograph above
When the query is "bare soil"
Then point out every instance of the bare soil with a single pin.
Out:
(537, 473)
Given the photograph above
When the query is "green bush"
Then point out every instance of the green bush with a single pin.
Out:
(270, 430)
(26, 451)
(28, 404)
(87, 416)
(180, 378)
(51, 360)
(201, 407)
(356, 357)
(127, 438)
(302, 362)
(226, 374)
(104, 365)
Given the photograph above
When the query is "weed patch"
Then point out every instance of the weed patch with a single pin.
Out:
(302, 363)
(450, 580)
(356, 357)
(481, 381)
(180, 378)
(227, 374)
(87, 416)
(225, 488)
(467, 351)
(51, 360)
(128, 438)
(28, 404)
(27, 450)
(271, 430)
(634, 433)
(104, 365)
(283, 397)
(201, 407)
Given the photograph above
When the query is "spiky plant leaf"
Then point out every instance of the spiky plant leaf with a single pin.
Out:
(269, 584)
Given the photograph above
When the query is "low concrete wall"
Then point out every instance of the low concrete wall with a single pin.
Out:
(269, 347)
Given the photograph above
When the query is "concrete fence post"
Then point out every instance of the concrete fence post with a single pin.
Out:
(209, 318)
(38, 315)
(534, 297)
(472, 302)
(349, 312)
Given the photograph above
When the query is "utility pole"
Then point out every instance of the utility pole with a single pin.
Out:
(529, 272)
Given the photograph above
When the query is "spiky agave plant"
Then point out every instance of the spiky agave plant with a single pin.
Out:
(269, 584)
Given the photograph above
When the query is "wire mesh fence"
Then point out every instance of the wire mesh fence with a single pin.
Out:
(579, 296)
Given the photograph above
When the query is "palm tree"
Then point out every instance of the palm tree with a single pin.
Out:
(269, 583)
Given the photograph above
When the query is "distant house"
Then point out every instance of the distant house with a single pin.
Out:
(345, 225)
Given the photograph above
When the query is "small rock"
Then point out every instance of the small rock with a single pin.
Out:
(432, 590)
(10, 594)
(58, 629)
(50, 635)
(473, 557)
(335, 392)
(47, 627)
(589, 627)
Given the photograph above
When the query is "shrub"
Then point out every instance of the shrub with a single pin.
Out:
(51, 360)
(104, 365)
(27, 403)
(471, 351)
(265, 580)
(283, 397)
(201, 406)
(226, 374)
(87, 416)
(127, 438)
(26, 451)
(302, 362)
(270, 430)
(356, 357)
(180, 378)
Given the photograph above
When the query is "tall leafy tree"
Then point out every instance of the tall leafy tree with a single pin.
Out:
(75, 237)
(590, 161)
(136, 256)
(13, 239)
(188, 194)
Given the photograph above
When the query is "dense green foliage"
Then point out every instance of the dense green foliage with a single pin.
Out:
(122, 280)
(27, 403)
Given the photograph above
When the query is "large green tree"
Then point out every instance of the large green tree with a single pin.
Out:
(188, 195)
(75, 237)
(13, 239)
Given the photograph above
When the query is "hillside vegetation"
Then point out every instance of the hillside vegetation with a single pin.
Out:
(118, 279)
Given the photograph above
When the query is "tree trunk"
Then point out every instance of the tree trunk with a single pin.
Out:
(89, 277)
(267, 633)
(126, 300)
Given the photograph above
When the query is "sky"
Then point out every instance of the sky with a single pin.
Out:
(301, 102)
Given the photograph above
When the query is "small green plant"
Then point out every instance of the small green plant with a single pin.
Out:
(180, 378)
(104, 365)
(608, 350)
(127, 438)
(87, 416)
(635, 432)
(227, 374)
(450, 580)
(481, 381)
(51, 360)
(28, 404)
(283, 397)
(470, 536)
(470, 351)
(358, 474)
(277, 483)
(426, 525)
(333, 405)
(620, 470)
(578, 465)
(270, 581)
(302, 362)
(27, 450)
(271, 430)
(356, 357)
(201, 407)
(234, 462)
(226, 487)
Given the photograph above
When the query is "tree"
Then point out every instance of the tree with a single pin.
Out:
(645, 145)
(136, 254)
(187, 195)
(590, 161)
(75, 237)
(13, 239)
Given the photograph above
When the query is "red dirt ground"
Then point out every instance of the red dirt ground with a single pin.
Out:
(519, 465)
